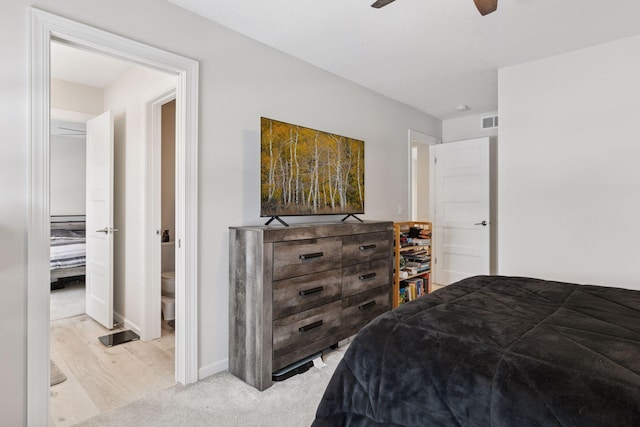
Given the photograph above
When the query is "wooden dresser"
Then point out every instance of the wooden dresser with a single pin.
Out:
(297, 290)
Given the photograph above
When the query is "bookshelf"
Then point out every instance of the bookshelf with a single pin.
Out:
(412, 260)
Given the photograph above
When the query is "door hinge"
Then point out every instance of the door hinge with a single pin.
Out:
(436, 260)
(435, 160)
(179, 243)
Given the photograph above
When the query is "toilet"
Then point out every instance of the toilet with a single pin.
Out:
(169, 284)
(168, 295)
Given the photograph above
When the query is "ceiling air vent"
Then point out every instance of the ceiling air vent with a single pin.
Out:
(489, 122)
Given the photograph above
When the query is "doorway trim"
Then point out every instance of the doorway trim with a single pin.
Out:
(46, 27)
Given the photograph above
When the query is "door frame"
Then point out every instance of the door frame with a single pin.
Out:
(46, 27)
(153, 196)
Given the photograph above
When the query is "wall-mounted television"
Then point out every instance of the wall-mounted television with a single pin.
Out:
(309, 172)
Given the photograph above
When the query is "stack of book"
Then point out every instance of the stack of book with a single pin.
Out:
(420, 242)
(417, 261)
(412, 289)
(414, 268)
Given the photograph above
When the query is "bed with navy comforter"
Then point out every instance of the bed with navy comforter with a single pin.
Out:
(494, 351)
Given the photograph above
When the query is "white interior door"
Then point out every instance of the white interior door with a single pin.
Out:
(461, 200)
(100, 228)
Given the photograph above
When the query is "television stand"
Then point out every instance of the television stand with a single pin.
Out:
(299, 286)
(277, 218)
(346, 217)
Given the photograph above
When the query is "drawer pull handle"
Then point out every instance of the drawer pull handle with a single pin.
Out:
(311, 291)
(367, 247)
(367, 305)
(313, 255)
(367, 276)
(310, 326)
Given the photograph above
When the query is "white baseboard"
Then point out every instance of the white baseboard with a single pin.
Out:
(213, 368)
(118, 318)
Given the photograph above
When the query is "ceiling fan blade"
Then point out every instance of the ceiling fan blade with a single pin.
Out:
(486, 7)
(381, 3)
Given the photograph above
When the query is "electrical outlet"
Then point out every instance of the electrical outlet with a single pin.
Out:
(399, 209)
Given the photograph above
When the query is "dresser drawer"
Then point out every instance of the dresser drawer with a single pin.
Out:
(300, 330)
(301, 352)
(365, 247)
(360, 309)
(301, 293)
(298, 258)
(365, 276)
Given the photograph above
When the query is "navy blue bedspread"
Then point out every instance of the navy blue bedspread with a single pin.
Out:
(494, 351)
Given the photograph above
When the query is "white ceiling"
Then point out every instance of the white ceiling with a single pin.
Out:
(83, 67)
(429, 54)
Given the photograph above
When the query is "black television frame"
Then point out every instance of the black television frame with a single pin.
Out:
(329, 171)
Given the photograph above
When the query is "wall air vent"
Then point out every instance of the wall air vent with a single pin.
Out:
(489, 122)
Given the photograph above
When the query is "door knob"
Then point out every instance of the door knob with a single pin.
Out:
(483, 223)
(107, 230)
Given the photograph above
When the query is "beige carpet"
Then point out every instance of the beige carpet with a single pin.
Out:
(224, 400)
(57, 376)
(68, 301)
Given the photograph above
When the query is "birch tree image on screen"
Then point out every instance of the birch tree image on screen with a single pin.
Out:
(309, 172)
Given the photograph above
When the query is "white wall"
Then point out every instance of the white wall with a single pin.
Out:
(127, 98)
(466, 127)
(240, 80)
(68, 159)
(74, 102)
(569, 199)
(76, 97)
(14, 127)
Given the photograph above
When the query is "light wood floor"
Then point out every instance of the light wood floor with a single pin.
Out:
(101, 378)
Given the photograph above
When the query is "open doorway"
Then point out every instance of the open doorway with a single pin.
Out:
(86, 84)
(419, 175)
(45, 28)
(168, 210)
